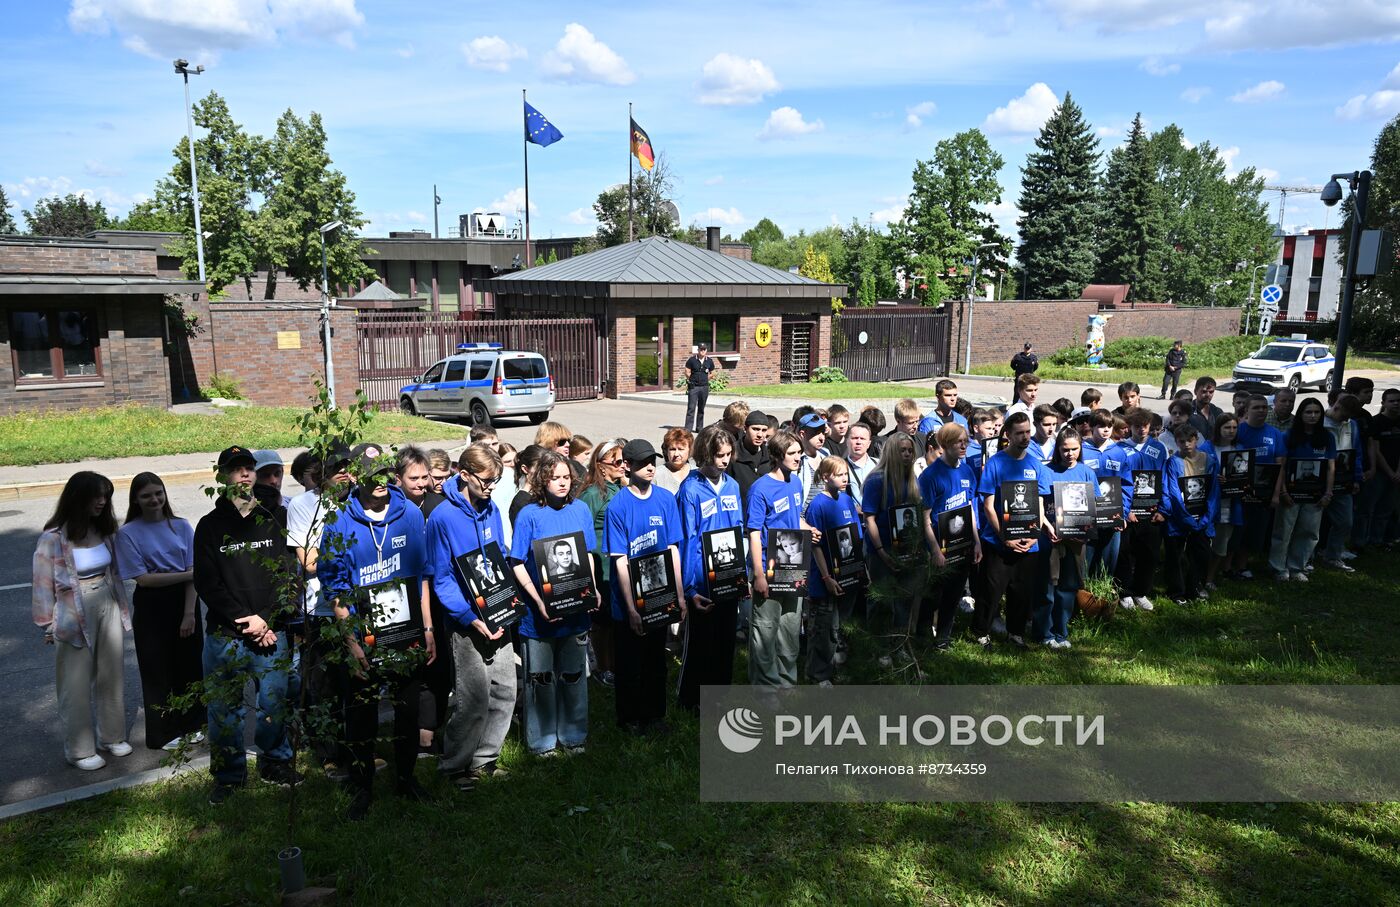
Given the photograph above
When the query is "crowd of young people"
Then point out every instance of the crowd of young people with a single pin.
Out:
(475, 592)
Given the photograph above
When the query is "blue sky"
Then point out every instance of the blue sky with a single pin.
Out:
(809, 113)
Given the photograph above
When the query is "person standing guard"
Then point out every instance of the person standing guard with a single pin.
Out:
(697, 383)
(1171, 368)
(1024, 362)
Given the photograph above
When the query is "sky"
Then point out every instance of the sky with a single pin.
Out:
(809, 113)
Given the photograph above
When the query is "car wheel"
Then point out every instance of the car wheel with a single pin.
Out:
(406, 406)
(1327, 382)
(480, 414)
(1295, 382)
(537, 418)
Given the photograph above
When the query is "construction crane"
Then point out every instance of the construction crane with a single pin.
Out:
(1283, 193)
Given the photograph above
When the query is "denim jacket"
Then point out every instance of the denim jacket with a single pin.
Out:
(58, 599)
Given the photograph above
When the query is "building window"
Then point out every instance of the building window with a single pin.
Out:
(721, 332)
(54, 344)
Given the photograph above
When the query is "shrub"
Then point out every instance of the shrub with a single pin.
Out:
(719, 382)
(1070, 357)
(222, 386)
(828, 374)
(1137, 352)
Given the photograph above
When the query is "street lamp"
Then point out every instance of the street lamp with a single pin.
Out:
(326, 312)
(1250, 300)
(1359, 181)
(182, 68)
(971, 289)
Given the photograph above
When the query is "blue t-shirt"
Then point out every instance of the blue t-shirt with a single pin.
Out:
(536, 521)
(873, 503)
(774, 504)
(826, 514)
(1002, 468)
(165, 546)
(638, 526)
(1322, 446)
(933, 420)
(1267, 442)
(945, 487)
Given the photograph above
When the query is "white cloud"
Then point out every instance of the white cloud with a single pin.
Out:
(201, 29)
(787, 123)
(491, 52)
(1154, 66)
(1109, 132)
(892, 213)
(1228, 155)
(1004, 214)
(1194, 94)
(1025, 115)
(99, 169)
(729, 217)
(914, 116)
(511, 203)
(1239, 24)
(407, 51)
(1267, 174)
(1392, 80)
(581, 216)
(728, 80)
(580, 57)
(30, 189)
(714, 180)
(1378, 105)
(417, 217)
(1264, 91)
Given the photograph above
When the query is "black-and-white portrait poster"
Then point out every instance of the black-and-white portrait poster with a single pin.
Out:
(1020, 509)
(845, 560)
(957, 535)
(789, 557)
(566, 580)
(490, 586)
(726, 567)
(654, 588)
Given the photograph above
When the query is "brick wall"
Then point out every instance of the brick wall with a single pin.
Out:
(130, 346)
(622, 352)
(1000, 327)
(1193, 325)
(75, 258)
(682, 339)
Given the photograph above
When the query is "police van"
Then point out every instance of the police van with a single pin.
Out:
(480, 382)
(1296, 363)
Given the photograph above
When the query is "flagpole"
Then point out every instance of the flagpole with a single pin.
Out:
(630, 139)
(529, 258)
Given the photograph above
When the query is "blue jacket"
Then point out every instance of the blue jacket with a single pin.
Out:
(359, 552)
(1179, 522)
(703, 509)
(456, 528)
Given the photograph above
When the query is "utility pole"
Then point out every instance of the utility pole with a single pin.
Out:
(182, 68)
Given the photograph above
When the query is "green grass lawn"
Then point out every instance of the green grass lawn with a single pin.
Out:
(623, 824)
(135, 431)
(841, 390)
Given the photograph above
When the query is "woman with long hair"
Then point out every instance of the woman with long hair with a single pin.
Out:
(525, 462)
(1065, 558)
(554, 650)
(1296, 522)
(156, 549)
(81, 605)
(606, 477)
(1227, 427)
(892, 484)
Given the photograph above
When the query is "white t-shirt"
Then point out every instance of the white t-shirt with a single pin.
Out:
(304, 525)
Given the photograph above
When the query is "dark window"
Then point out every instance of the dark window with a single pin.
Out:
(433, 374)
(481, 369)
(54, 344)
(721, 332)
(521, 369)
(456, 370)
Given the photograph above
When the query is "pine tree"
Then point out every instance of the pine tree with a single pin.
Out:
(7, 220)
(1131, 244)
(1059, 200)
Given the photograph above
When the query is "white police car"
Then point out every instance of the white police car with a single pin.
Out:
(1294, 363)
(480, 382)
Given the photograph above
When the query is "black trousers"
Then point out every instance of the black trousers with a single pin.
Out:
(361, 696)
(1170, 378)
(941, 602)
(168, 662)
(437, 677)
(1008, 573)
(640, 690)
(1137, 558)
(708, 655)
(1187, 556)
(695, 399)
(322, 693)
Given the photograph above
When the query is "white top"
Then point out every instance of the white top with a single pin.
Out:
(304, 525)
(92, 561)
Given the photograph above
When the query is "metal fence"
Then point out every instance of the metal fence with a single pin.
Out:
(890, 346)
(397, 347)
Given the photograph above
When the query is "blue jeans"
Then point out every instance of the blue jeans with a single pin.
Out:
(228, 664)
(556, 691)
(1053, 609)
(1101, 555)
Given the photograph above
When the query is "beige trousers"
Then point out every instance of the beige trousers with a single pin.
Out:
(88, 674)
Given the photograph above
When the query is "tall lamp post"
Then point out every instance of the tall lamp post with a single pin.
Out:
(182, 68)
(1359, 181)
(971, 293)
(326, 312)
(1250, 300)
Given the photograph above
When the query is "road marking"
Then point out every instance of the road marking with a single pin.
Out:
(15, 586)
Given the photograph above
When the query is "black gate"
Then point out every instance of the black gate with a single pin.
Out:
(797, 351)
(890, 346)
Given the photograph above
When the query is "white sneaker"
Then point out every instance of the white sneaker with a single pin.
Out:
(1127, 603)
(1282, 576)
(825, 683)
(1245, 574)
(118, 749)
(89, 764)
(885, 661)
(1300, 577)
(967, 604)
(1348, 555)
(173, 745)
(1143, 602)
(1308, 568)
(1341, 565)
(1052, 644)
(1064, 644)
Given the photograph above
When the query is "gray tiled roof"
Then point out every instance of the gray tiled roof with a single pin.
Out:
(657, 260)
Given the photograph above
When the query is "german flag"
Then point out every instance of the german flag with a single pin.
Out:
(641, 146)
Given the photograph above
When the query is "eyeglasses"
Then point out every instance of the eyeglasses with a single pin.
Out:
(613, 463)
(484, 482)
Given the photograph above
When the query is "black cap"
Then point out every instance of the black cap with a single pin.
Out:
(372, 460)
(1026, 347)
(235, 456)
(337, 454)
(757, 417)
(638, 451)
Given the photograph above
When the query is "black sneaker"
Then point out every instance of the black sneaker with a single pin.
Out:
(464, 782)
(222, 792)
(279, 773)
(359, 805)
(410, 789)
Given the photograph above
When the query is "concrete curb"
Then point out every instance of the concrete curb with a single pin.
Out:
(88, 791)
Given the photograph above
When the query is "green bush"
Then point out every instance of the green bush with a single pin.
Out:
(222, 386)
(1069, 357)
(719, 382)
(1150, 352)
(1137, 352)
(828, 374)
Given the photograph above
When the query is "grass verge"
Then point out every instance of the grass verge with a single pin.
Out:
(623, 824)
(27, 439)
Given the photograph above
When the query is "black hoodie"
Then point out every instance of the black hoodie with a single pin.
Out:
(747, 465)
(231, 554)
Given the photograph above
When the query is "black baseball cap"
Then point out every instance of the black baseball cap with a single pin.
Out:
(337, 454)
(371, 460)
(235, 456)
(757, 417)
(638, 451)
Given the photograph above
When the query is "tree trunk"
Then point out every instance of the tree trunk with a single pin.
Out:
(271, 291)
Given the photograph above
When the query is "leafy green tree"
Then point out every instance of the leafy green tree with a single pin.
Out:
(1376, 310)
(1130, 243)
(1216, 227)
(870, 257)
(7, 220)
(817, 266)
(1059, 200)
(651, 207)
(71, 215)
(790, 252)
(765, 231)
(150, 217)
(867, 295)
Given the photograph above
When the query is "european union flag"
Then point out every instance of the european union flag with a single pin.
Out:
(538, 129)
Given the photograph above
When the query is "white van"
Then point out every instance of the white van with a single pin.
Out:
(480, 382)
